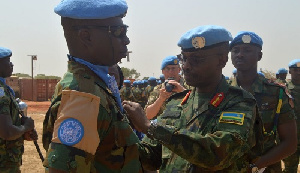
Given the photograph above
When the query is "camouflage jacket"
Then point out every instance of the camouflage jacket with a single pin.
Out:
(126, 93)
(280, 81)
(139, 96)
(10, 151)
(117, 150)
(155, 94)
(148, 90)
(266, 94)
(294, 90)
(217, 132)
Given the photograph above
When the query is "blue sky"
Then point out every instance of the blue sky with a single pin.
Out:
(31, 27)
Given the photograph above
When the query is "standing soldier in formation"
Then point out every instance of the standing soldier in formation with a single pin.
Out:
(162, 78)
(291, 162)
(126, 92)
(274, 104)
(282, 73)
(13, 129)
(157, 98)
(85, 129)
(150, 87)
(212, 128)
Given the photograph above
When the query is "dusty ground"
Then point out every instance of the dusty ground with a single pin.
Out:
(31, 160)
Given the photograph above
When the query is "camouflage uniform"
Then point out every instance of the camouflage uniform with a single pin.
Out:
(280, 81)
(291, 162)
(155, 94)
(266, 94)
(126, 93)
(194, 138)
(140, 96)
(10, 151)
(148, 90)
(117, 150)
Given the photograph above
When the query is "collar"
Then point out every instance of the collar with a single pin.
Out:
(257, 85)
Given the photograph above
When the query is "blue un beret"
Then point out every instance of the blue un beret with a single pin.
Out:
(151, 78)
(204, 36)
(91, 9)
(234, 71)
(161, 76)
(282, 71)
(295, 63)
(169, 60)
(261, 73)
(246, 37)
(127, 81)
(4, 52)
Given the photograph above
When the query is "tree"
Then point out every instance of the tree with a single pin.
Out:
(130, 73)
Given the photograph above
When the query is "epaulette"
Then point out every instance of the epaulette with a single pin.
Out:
(178, 95)
(245, 93)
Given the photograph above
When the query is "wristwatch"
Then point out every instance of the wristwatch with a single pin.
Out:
(253, 168)
(152, 128)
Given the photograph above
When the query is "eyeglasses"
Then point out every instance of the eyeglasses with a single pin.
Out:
(116, 31)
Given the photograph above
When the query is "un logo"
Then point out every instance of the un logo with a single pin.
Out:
(70, 131)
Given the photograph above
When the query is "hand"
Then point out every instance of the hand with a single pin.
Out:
(136, 115)
(164, 94)
(31, 135)
(178, 88)
(28, 123)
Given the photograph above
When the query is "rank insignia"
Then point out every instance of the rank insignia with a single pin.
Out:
(185, 98)
(70, 131)
(232, 117)
(218, 98)
(246, 39)
(198, 42)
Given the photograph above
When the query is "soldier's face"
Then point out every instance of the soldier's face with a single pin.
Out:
(6, 67)
(107, 41)
(171, 71)
(200, 68)
(245, 56)
(282, 76)
(295, 74)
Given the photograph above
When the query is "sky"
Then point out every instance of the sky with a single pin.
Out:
(32, 28)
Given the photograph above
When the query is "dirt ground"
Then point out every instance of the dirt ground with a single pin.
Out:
(31, 161)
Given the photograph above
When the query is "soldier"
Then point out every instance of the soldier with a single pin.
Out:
(282, 73)
(273, 102)
(156, 101)
(213, 127)
(150, 87)
(85, 129)
(126, 92)
(234, 72)
(291, 162)
(162, 78)
(13, 129)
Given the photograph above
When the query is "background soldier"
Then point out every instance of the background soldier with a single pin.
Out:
(13, 128)
(150, 87)
(85, 129)
(273, 103)
(282, 73)
(126, 92)
(291, 162)
(214, 127)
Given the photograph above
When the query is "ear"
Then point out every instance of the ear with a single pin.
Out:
(85, 37)
(259, 55)
(223, 60)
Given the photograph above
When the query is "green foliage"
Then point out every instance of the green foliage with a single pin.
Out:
(130, 73)
(21, 75)
(43, 76)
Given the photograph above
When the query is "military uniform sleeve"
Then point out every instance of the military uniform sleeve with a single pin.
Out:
(150, 154)
(4, 105)
(286, 111)
(217, 150)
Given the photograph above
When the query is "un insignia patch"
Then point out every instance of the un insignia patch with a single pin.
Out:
(70, 131)
(232, 117)
(2, 92)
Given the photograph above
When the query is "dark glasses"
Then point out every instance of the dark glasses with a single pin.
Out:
(116, 31)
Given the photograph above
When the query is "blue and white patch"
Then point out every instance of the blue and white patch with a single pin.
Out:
(2, 92)
(70, 131)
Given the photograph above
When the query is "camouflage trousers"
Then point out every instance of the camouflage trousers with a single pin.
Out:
(291, 162)
(10, 170)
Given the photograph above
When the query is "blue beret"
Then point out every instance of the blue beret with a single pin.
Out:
(204, 36)
(127, 81)
(134, 82)
(161, 76)
(234, 71)
(4, 52)
(295, 63)
(226, 77)
(91, 9)
(246, 37)
(277, 73)
(282, 71)
(151, 78)
(169, 60)
(261, 73)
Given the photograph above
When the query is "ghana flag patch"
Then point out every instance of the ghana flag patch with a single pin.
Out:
(232, 117)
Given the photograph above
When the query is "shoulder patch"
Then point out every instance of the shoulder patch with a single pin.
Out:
(232, 118)
(2, 92)
(70, 131)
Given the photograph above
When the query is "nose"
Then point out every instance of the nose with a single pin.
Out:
(126, 40)
(11, 64)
